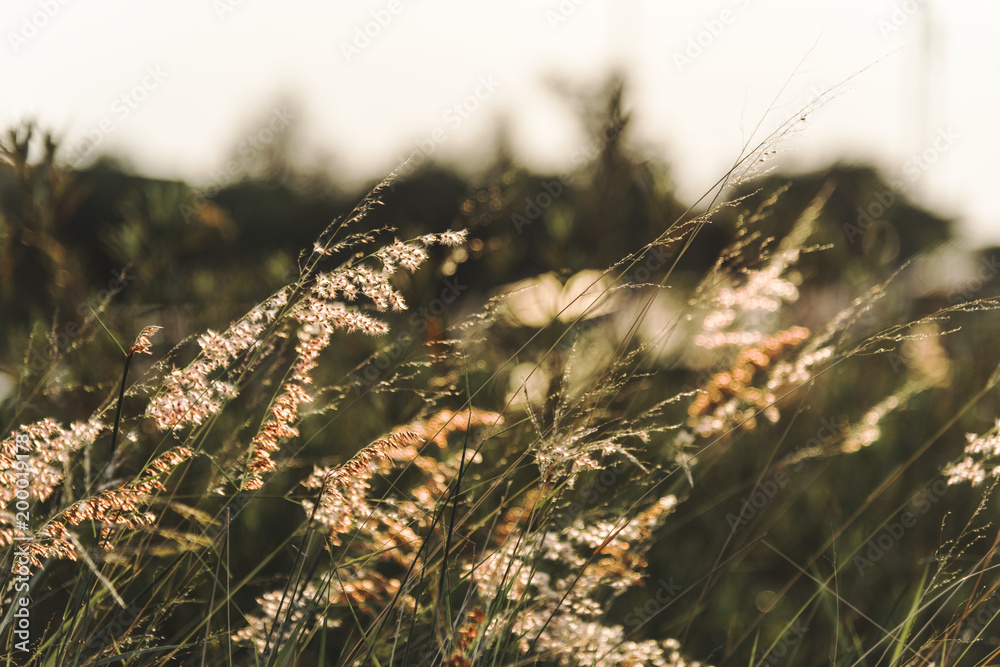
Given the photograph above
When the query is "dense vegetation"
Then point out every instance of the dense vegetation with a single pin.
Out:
(507, 418)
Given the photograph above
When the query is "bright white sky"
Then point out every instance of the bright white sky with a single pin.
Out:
(223, 65)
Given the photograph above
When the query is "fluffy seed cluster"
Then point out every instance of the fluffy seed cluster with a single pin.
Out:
(729, 399)
(438, 427)
(568, 575)
(317, 316)
(142, 344)
(290, 609)
(191, 395)
(981, 460)
(344, 504)
(124, 506)
(765, 291)
(390, 525)
(277, 427)
(48, 448)
(439, 473)
(343, 490)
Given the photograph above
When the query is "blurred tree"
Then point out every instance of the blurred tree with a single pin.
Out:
(37, 202)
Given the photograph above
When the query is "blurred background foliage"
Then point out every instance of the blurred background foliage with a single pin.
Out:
(143, 251)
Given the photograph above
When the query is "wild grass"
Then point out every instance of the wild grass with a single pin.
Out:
(547, 495)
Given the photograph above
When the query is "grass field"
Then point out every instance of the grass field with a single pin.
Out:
(413, 450)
